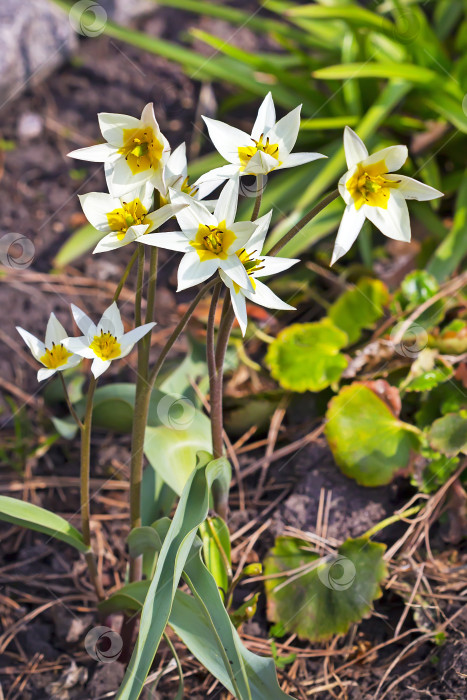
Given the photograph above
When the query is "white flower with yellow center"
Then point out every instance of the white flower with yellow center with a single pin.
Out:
(124, 219)
(209, 241)
(371, 190)
(105, 342)
(135, 151)
(267, 148)
(257, 265)
(52, 354)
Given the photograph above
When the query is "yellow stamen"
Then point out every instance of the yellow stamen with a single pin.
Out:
(369, 186)
(55, 357)
(131, 214)
(106, 346)
(142, 150)
(211, 242)
(250, 264)
(245, 153)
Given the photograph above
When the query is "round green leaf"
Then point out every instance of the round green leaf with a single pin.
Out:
(448, 434)
(359, 307)
(306, 357)
(321, 597)
(368, 442)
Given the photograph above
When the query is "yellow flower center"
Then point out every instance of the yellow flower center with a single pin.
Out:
(142, 150)
(131, 214)
(246, 153)
(250, 264)
(213, 241)
(55, 357)
(369, 186)
(106, 346)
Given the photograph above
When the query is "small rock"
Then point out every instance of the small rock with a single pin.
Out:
(30, 126)
(106, 679)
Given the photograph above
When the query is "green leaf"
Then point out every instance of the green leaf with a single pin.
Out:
(321, 597)
(359, 307)
(453, 248)
(404, 71)
(79, 243)
(145, 541)
(191, 511)
(353, 15)
(306, 357)
(452, 340)
(368, 442)
(438, 470)
(448, 434)
(426, 372)
(216, 550)
(33, 517)
(128, 598)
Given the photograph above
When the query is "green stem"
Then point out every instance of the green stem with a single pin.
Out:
(139, 285)
(303, 222)
(392, 519)
(125, 275)
(85, 495)
(259, 196)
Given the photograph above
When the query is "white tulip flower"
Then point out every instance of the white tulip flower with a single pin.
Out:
(105, 342)
(267, 148)
(135, 151)
(371, 190)
(257, 265)
(52, 354)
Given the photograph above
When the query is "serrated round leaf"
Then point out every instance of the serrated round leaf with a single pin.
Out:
(428, 380)
(306, 357)
(448, 434)
(359, 307)
(368, 442)
(330, 594)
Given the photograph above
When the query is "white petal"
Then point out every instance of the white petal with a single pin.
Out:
(236, 271)
(263, 296)
(35, 345)
(160, 216)
(112, 241)
(341, 186)
(96, 206)
(96, 154)
(170, 240)
(394, 221)
(227, 139)
(256, 241)
(192, 271)
(71, 362)
(294, 159)
(112, 126)
(145, 194)
(55, 332)
(111, 321)
(176, 167)
(272, 266)
(239, 307)
(355, 149)
(394, 157)
(213, 178)
(149, 118)
(260, 164)
(83, 321)
(243, 231)
(79, 346)
(266, 118)
(99, 366)
(226, 207)
(285, 132)
(44, 373)
(131, 338)
(413, 189)
(193, 215)
(350, 226)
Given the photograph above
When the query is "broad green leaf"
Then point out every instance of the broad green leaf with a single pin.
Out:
(215, 536)
(438, 470)
(191, 511)
(318, 598)
(171, 451)
(368, 442)
(452, 339)
(306, 357)
(448, 434)
(128, 598)
(18, 512)
(79, 243)
(426, 372)
(359, 307)
(144, 541)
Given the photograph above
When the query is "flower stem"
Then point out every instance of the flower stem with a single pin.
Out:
(303, 222)
(139, 285)
(259, 196)
(85, 476)
(69, 404)
(392, 519)
(125, 275)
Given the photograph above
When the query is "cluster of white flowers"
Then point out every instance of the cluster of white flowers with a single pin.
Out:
(139, 165)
